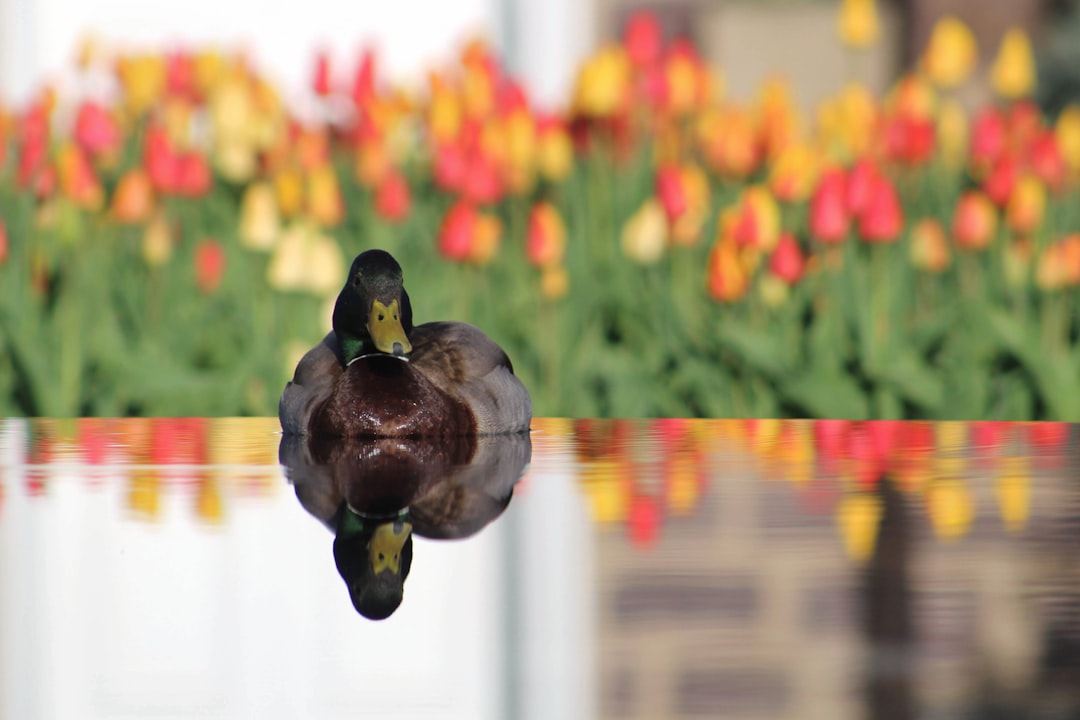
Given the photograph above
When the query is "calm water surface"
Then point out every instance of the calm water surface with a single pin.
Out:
(176, 568)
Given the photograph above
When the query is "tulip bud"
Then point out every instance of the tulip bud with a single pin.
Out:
(727, 280)
(929, 247)
(133, 199)
(1026, 207)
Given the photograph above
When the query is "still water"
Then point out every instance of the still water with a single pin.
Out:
(181, 568)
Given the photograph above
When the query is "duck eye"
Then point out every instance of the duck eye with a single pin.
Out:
(355, 281)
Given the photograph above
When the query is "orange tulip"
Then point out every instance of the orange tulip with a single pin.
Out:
(727, 279)
(758, 220)
(157, 244)
(77, 177)
(469, 235)
(929, 246)
(545, 243)
(324, 203)
(1027, 205)
(974, 221)
(133, 199)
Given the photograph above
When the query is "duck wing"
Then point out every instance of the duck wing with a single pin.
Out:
(461, 360)
(316, 375)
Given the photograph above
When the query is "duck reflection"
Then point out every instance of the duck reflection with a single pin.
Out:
(374, 494)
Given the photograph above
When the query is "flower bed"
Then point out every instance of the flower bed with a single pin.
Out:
(655, 249)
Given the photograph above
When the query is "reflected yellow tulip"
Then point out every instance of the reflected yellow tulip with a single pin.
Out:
(858, 516)
(950, 507)
(1013, 491)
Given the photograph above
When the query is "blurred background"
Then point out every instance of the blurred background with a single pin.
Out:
(782, 208)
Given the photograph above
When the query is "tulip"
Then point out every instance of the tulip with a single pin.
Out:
(363, 86)
(1001, 181)
(1051, 273)
(555, 152)
(857, 24)
(77, 177)
(4, 244)
(96, 130)
(545, 243)
(643, 39)
(320, 81)
(882, 219)
(644, 235)
(143, 80)
(758, 219)
(974, 221)
(481, 183)
(683, 80)
(1067, 132)
(860, 179)
(1047, 160)
(289, 191)
(787, 260)
(1013, 71)
(193, 175)
(157, 244)
(451, 166)
(209, 265)
(952, 133)
(456, 232)
(392, 197)
(133, 199)
(304, 259)
(929, 246)
(487, 235)
(671, 192)
(727, 280)
(1016, 260)
(951, 53)
(795, 172)
(603, 83)
(161, 161)
(987, 138)
(730, 142)
(829, 217)
(687, 227)
(324, 203)
(1070, 251)
(260, 222)
(554, 282)
(1027, 205)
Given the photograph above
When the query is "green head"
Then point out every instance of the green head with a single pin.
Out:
(372, 313)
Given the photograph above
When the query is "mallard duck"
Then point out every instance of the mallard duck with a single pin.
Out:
(377, 375)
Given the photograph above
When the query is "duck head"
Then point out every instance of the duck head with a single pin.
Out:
(372, 313)
(373, 557)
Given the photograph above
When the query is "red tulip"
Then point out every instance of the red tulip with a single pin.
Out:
(882, 219)
(161, 161)
(482, 183)
(95, 129)
(829, 217)
(363, 88)
(859, 183)
(671, 192)
(180, 78)
(644, 520)
(320, 82)
(787, 260)
(392, 197)
(987, 138)
(33, 147)
(643, 39)
(456, 233)
(450, 166)
(545, 242)
(1046, 160)
(1002, 179)
(193, 178)
(209, 265)
(910, 139)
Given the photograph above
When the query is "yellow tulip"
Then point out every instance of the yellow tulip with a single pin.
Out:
(324, 203)
(951, 53)
(603, 82)
(857, 24)
(289, 190)
(1067, 131)
(953, 133)
(554, 282)
(555, 152)
(157, 245)
(143, 80)
(1027, 205)
(1013, 72)
(260, 223)
(306, 260)
(644, 235)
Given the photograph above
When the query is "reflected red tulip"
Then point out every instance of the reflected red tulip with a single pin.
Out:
(643, 520)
